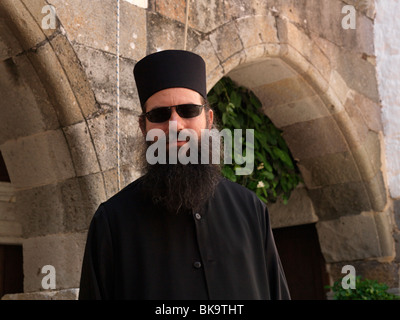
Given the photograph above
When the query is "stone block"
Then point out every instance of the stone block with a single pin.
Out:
(76, 75)
(396, 210)
(396, 239)
(359, 74)
(103, 131)
(82, 149)
(299, 210)
(7, 211)
(56, 82)
(226, 41)
(384, 228)
(234, 61)
(35, 8)
(28, 109)
(392, 145)
(338, 200)
(306, 109)
(62, 251)
(65, 294)
(173, 9)
(94, 24)
(40, 210)
(315, 138)
(206, 16)
(261, 72)
(383, 272)
(22, 23)
(255, 30)
(368, 156)
(377, 192)
(10, 229)
(294, 58)
(80, 199)
(284, 91)
(128, 174)
(101, 71)
(314, 77)
(9, 45)
(329, 169)
(359, 106)
(7, 192)
(206, 51)
(338, 86)
(64, 207)
(357, 119)
(214, 76)
(38, 159)
(261, 51)
(349, 238)
(365, 7)
(324, 18)
(353, 130)
(296, 38)
(166, 34)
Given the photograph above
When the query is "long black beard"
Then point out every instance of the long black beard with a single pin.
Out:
(178, 187)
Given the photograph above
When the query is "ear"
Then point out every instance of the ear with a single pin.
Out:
(210, 118)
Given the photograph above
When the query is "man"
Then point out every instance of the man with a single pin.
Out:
(181, 231)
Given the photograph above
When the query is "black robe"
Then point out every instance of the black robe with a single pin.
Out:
(226, 250)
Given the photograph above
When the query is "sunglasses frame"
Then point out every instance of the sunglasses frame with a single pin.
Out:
(177, 108)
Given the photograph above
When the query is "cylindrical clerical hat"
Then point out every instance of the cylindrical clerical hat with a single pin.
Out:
(170, 69)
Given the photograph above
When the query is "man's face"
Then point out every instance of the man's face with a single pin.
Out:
(172, 97)
(195, 182)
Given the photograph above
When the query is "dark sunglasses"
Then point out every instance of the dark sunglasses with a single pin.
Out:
(163, 114)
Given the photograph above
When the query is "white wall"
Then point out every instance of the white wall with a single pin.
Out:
(387, 50)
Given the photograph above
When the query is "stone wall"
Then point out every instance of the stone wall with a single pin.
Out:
(317, 82)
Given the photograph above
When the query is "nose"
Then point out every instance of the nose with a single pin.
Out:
(179, 121)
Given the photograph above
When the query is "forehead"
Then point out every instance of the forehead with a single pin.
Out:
(171, 97)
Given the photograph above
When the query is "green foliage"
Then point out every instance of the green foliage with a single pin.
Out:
(365, 290)
(275, 172)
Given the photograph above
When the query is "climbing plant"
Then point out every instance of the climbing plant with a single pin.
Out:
(275, 172)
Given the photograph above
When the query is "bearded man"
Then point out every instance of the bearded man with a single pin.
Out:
(181, 231)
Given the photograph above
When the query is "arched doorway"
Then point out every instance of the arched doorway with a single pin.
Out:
(45, 100)
(321, 116)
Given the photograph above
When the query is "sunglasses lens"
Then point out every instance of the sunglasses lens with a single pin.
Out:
(163, 114)
(159, 115)
(188, 110)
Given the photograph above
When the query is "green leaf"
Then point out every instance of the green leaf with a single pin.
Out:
(228, 173)
(283, 156)
(236, 99)
(224, 118)
(254, 101)
(268, 175)
(239, 108)
(256, 118)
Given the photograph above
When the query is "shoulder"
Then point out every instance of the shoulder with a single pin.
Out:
(226, 185)
(127, 197)
(232, 190)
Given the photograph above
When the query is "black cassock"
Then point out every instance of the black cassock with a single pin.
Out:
(226, 250)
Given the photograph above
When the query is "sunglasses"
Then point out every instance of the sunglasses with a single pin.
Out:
(163, 114)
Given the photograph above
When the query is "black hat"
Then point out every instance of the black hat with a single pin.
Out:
(170, 69)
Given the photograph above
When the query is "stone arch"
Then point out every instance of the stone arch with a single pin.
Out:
(46, 141)
(324, 121)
